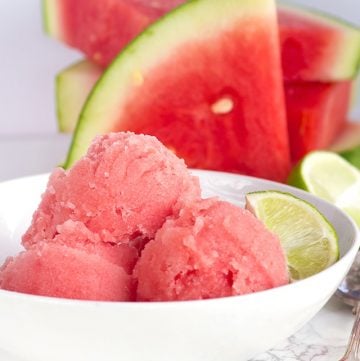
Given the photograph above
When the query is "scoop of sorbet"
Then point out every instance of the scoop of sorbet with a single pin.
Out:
(120, 191)
(214, 249)
(48, 269)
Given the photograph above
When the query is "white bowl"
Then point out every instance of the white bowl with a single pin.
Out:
(37, 328)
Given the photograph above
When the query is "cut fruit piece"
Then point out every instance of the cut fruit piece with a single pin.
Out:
(331, 177)
(202, 91)
(316, 114)
(309, 240)
(325, 174)
(316, 46)
(100, 29)
(72, 87)
(158, 7)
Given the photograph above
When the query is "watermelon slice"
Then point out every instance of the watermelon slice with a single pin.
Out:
(315, 46)
(72, 87)
(212, 91)
(157, 7)
(316, 114)
(316, 111)
(100, 28)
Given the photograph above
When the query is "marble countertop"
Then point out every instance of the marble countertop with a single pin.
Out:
(324, 338)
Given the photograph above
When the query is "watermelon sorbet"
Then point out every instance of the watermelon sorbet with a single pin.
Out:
(127, 223)
(212, 249)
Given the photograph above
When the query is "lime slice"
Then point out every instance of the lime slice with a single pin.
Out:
(329, 176)
(309, 240)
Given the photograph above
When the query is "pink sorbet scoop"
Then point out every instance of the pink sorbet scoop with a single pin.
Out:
(214, 249)
(53, 270)
(94, 219)
(122, 190)
(127, 223)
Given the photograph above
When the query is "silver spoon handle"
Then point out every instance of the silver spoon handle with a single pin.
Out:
(353, 350)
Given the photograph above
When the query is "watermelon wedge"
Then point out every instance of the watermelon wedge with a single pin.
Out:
(316, 114)
(100, 28)
(314, 46)
(158, 7)
(72, 86)
(212, 91)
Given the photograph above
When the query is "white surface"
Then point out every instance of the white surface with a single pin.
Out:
(29, 61)
(27, 155)
(226, 329)
(347, 9)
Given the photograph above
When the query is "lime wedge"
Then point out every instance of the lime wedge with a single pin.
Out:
(329, 176)
(309, 240)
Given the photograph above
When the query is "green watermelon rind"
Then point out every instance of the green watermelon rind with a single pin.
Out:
(171, 30)
(72, 86)
(348, 63)
(51, 18)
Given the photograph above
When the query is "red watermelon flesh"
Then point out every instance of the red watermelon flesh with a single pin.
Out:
(156, 7)
(210, 98)
(100, 28)
(317, 47)
(316, 114)
(316, 111)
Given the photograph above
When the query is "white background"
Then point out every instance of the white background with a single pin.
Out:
(29, 60)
